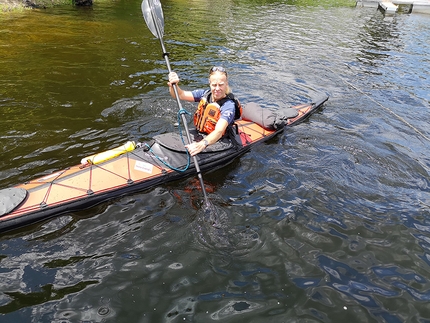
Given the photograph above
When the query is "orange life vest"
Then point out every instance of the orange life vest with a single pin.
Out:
(208, 114)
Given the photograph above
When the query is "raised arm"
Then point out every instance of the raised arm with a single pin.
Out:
(183, 95)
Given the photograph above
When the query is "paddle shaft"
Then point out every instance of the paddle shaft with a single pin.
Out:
(178, 101)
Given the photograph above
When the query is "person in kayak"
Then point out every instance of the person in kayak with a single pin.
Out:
(218, 108)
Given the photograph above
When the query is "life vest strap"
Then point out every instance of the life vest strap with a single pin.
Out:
(208, 114)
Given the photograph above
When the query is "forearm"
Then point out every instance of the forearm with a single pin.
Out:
(172, 91)
(218, 132)
(213, 137)
(183, 95)
(210, 139)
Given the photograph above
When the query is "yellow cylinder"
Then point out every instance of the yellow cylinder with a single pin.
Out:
(109, 154)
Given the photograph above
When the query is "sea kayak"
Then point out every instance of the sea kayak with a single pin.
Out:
(135, 167)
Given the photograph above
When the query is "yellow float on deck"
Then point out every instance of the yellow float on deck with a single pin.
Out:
(109, 154)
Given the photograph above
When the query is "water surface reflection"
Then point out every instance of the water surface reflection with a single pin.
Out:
(325, 223)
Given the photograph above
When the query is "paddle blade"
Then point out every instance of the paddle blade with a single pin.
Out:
(154, 18)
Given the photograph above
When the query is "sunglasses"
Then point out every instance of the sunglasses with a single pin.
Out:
(218, 69)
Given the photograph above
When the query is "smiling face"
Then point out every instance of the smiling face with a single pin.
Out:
(219, 85)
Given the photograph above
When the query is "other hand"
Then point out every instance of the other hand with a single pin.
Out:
(195, 147)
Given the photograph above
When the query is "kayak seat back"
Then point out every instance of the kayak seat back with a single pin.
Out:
(10, 198)
(266, 118)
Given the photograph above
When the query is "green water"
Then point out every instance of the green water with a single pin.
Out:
(325, 223)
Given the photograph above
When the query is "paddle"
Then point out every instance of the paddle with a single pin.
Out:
(154, 18)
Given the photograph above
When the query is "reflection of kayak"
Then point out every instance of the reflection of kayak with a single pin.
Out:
(134, 168)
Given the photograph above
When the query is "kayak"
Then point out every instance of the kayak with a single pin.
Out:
(134, 167)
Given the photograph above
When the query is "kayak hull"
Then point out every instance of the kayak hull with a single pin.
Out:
(150, 164)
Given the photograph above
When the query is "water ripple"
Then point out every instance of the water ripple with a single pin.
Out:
(327, 222)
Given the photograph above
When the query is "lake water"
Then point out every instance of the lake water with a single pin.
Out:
(328, 222)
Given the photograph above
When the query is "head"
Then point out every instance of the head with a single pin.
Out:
(218, 82)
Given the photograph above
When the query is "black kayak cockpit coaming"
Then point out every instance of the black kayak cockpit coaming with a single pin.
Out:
(164, 158)
(168, 151)
(177, 141)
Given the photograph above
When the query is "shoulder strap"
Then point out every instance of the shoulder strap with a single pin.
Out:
(237, 105)
(207, 95)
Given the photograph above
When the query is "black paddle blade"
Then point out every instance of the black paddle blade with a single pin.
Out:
(153, 15)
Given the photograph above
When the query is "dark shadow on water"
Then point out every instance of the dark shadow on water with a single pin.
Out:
(215, 231)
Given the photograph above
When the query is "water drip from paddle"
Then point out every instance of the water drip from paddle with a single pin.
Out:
(210, 213)
(213, 226)
(217, 231)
